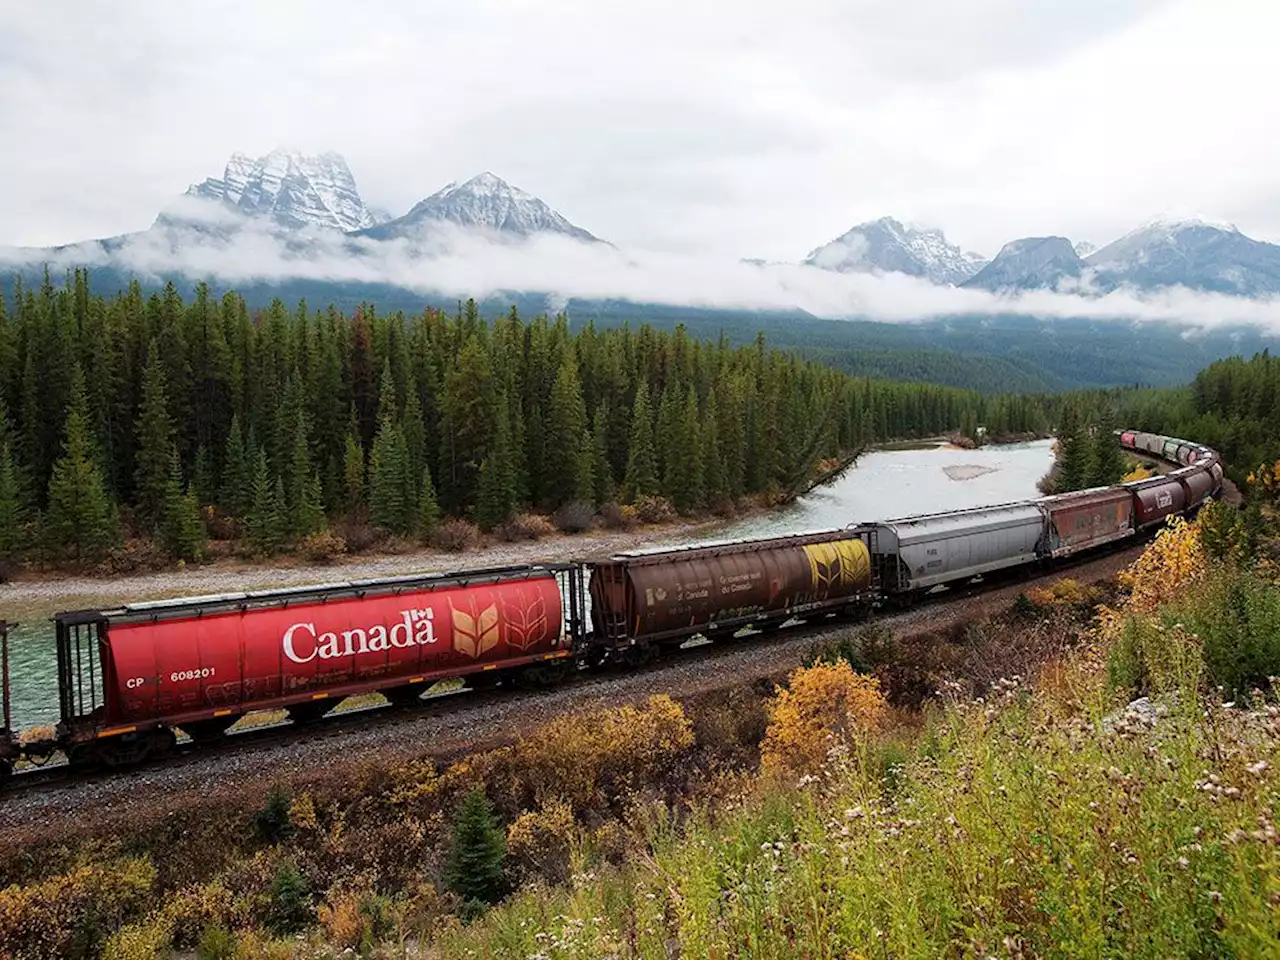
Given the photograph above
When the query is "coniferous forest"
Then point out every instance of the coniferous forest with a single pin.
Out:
(169, 420)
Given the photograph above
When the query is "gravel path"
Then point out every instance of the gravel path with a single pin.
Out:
(108, 804)
(42, 595)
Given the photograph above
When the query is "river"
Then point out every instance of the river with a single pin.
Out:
(882, 485)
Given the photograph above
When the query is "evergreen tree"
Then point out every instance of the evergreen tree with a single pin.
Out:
(415, 438)
(13, 505)
(642, 466)
(601, 470)
(1075, 451)
(182, 529)
(81, 520)
(391, 504)
(428, 507)
(496, 495)
(304, 505)
(237, 473)
(477, 849)
(155, 443)
(1108, 459)
(265, 526)
(353, 471)
(713, 456)
(566, 427)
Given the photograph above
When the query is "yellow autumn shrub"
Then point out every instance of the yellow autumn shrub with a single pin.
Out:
(1164, 571)
(589, 759)
(821, 705)
(539, 842)
(1064, 593)
(49, 918)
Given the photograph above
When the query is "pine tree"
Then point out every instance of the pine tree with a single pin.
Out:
(566, 427)
(415, 438)
(477, 849)
(265, 526)
(390, 505)
(428, 507)
(496, 492)
(304, 505)
(13, 505)
(237, 473)
(155, 442)
(600, 468)
(713, 456)
(1075, 451)
(182, 529)
(1108, 460)
(642, 466)
(353, 471)
(81, 519)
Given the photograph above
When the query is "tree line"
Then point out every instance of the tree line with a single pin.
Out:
(165, 417)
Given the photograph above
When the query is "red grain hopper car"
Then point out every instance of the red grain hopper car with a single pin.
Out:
(1156, 498)
(1086, 519)
(668, 595)
(127, 676)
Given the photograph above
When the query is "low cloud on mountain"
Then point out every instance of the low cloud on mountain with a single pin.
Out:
(463, 263)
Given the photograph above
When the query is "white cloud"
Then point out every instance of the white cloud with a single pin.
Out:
(466, 263)
(690, 127)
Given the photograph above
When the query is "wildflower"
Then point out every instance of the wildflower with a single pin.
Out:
(1215, 896)
(1257, 769)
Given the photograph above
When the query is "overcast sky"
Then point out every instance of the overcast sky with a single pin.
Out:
(716, 128)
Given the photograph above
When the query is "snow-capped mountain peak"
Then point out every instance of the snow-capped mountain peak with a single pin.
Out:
(1029, 263)
(888, 245)
(1190, 252)
(485, 202)
(291, 188)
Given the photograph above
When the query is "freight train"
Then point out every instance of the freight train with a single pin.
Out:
(129, 678)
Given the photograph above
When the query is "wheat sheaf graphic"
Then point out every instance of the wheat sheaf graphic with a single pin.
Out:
(525, 621)
(475, 635)
(839, 564)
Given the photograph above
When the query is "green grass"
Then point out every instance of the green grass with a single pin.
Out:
(1031, 826)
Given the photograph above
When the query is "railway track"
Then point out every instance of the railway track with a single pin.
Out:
(341, 724)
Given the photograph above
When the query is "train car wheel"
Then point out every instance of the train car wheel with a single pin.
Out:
(406, 696)
(481, 681)
(161, 744)
(311, 712)
(206, 731)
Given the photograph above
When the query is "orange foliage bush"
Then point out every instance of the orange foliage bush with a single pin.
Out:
(69, 913)
(1063, 593)
(590, 759)
(821, 703)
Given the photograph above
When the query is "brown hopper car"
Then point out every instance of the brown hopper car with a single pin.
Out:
(652, 595)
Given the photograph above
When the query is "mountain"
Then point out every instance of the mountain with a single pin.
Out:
(887, 246)
(485, 202)
(1083, 248)
(1028, 264)
(290, 189)
(1190, 253)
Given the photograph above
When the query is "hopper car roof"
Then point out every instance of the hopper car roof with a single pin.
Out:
(180, 607)
(936, 526)
(662, 554)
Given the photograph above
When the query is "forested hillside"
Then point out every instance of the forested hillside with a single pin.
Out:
(158, 417)
(991, 354)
